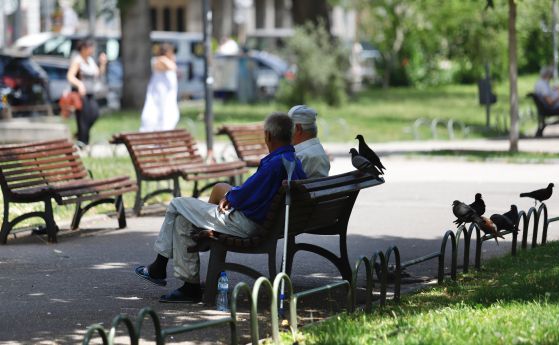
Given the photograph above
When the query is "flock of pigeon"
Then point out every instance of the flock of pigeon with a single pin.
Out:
(367, 160)
(473, 213)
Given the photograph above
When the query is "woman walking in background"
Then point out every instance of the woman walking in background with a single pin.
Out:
(161, 111)
(82, 75)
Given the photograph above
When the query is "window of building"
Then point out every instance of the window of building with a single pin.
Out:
(167, 19)
(180, 19)
(153, 18)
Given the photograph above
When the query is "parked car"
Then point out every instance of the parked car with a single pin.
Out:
(265, 70)
(23, 81)
(190, 65)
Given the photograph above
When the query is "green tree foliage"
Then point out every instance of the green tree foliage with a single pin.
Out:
(442, 41)
(321, 68)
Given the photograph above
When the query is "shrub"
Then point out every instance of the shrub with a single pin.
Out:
(321, 68)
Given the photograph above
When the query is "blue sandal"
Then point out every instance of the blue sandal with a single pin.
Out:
(142, 271)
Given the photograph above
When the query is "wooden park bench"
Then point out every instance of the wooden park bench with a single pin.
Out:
(169, 156)
(319, 207)
(42, 171)
(544, 113)
(248, 141)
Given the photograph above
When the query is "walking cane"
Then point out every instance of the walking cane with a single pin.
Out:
(289, 167)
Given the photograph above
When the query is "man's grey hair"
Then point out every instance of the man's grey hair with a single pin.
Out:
(306, 116)
(546, 72)
(280, 127)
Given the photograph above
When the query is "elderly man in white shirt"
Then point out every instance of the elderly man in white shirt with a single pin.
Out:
(549, 95)
(307, 146)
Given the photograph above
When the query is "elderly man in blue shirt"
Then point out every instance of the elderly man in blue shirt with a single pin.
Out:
(240, 211)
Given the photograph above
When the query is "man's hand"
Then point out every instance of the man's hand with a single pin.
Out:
(224, 205)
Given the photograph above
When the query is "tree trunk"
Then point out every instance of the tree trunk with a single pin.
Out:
(314, 11)
(513, 74)
(135, 52)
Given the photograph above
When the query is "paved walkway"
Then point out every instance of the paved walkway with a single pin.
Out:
(50, 293)
(548, 144)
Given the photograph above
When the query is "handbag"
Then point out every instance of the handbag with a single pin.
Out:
(70, 101)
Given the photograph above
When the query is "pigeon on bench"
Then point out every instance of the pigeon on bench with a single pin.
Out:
(369, 154)
(539, 194)
(363, 164)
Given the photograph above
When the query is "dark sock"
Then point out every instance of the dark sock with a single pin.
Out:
(158, 269)
(194, 290)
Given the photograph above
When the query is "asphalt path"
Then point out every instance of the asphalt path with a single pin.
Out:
(50, 293)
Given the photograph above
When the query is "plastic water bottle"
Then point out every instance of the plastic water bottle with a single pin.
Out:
(222, 303)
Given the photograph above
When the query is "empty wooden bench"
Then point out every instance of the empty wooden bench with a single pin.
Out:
(248, 141)
(319, 207)
(171, 155)
(42, 171)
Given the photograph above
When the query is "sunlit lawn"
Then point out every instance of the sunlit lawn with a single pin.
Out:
(380, 115)
(513, 300)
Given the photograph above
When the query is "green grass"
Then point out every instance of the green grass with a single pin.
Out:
(381, 115)
(482, 156)
(513, 300)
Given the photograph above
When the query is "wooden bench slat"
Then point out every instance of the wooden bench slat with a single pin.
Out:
(35, 155)
(11, 147)
(208, 176)
(93, 187)
(73, 165)
(51, 180)
(176, 153)
(25, 151)
(44, 174)
(98, 196)
(7, 168)
(69, 185)
(147, 164)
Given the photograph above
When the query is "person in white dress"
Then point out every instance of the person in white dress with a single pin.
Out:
(161, 111)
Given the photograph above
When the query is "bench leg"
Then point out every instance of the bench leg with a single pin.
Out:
(138, 202)
(345, 268)
(120, 211)
(218, 255)
(52, 229)
(76, 219)
(272, 266)
(195, 190)
(177, 187)
(541, 126)
(5, 223)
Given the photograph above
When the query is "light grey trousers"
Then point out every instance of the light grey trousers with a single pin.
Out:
(174, 236)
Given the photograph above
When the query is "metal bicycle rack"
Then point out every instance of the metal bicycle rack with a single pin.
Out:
(382, 259)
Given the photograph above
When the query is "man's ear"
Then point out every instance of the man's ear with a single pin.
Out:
(298, 127)
(267, 137)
